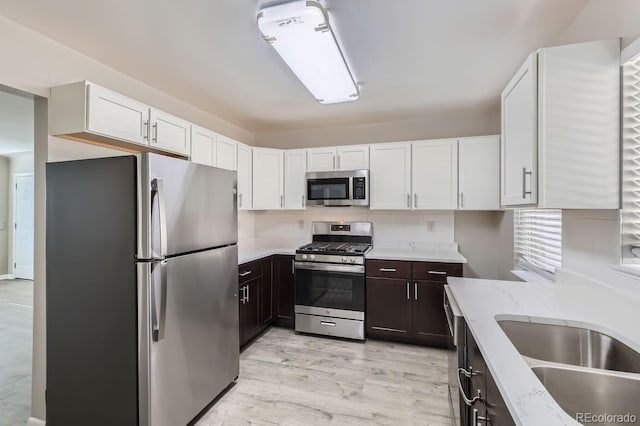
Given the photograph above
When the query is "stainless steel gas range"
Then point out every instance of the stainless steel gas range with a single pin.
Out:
(330, 279)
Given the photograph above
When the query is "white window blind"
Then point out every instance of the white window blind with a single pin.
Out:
(538, 240)
(630, 214)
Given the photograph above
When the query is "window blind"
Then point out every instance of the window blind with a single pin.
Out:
(538, 240)
(630, 213)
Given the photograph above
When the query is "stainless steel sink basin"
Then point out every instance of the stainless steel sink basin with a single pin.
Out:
(600, 395)
(571, 345)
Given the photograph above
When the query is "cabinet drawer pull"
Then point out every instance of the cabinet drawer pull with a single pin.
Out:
(437, 272)
(408, 296)
(388, 329)
(524, 182)
(328, 323)
(388, 269)
(245, 273)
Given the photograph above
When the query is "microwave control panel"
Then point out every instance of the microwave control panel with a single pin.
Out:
(359, 190)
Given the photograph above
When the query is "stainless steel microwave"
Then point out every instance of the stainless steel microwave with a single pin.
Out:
(343, 188)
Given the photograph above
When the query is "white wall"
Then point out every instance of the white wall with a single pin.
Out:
(389, 227)
(483, 120)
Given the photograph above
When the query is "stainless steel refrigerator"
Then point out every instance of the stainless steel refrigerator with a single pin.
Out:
(142, 308)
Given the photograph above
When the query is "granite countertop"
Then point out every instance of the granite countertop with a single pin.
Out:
(250, 249)
(593, 306)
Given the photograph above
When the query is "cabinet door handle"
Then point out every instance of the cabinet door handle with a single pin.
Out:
(303, 201)
(415, 200)
(281, 198)
(437, 272)
(243, 294)
(466, 400)
(293, 266)
(240, 199)
(155, 132)
(408, 200)
(248, 293)
(338, 162)
(461, 199)
(245, 273)
(387, 269)
(524, 182)
(415, 291)
(145, 130)
(476, 418)
(408, 295)
(334, 162)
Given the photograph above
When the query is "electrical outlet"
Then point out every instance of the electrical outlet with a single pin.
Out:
(301, 224)
(431, 226)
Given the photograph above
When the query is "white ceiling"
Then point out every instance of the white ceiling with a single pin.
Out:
(16, 123)
(410, 57)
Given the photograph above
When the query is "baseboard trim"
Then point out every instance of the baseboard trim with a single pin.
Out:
(35, 422)
(7, 277)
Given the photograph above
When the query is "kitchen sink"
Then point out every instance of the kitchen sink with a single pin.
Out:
(600, 395)
(571, 345)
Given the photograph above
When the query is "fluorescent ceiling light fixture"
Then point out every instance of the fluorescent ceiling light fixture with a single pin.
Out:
(301, 34)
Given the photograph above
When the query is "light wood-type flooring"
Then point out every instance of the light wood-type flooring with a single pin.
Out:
(292, 379)
(16, 313)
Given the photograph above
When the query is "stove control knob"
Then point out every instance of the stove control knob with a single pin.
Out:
(312, 256)
(304, 257)
(352, 260)
(344, 259)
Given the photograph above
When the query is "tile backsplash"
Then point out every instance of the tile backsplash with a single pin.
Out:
(389, 227)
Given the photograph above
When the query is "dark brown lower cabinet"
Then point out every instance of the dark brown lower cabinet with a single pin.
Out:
(284, 291)
(388, 307)
(405, 301)
(250, 320)
(267, 291)
(490, 408)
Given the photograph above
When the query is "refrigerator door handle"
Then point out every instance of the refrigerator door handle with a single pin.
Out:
(157, 189)
(158, 319)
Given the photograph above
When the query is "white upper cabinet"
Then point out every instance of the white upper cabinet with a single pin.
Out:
(245, 173)
(321, 159)
(203, 146)
(353, 157)
(226, 153)
(479, 173)
(434, 174)
(295, 167)
(268, 179)
(114, 115)
(519, 136)
(560, 144)
(390, 176)
(170, 133)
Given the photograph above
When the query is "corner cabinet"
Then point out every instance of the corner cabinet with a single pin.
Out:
(390, 176)
(245, 173)
(268, 179)
(479, 173)
(434, 174)
(295, 167)
(90, 113)
(551, 156)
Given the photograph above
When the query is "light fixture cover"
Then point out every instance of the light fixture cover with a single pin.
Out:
(299, 31)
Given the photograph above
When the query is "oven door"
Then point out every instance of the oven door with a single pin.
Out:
(330, 289)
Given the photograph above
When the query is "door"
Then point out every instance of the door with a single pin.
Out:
(23, 227)
(519, 140)
(354, 157)
(194, 353)
(429, 320)
(170, 133)
(321, 159)
(479, 173)
(388, 306)
(390, 186)
(245, 166)
(250, 309)
(268, 179)
(295, 167)
(434, 174)
(199, 203)
(226, 153)
(114, 115)
(284, 290)
(203, 146)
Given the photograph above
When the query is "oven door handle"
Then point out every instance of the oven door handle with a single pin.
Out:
(330, 267)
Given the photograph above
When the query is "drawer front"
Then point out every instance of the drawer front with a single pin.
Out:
(429, 271)
(388, 269)
(249, 270)
(329, 326)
